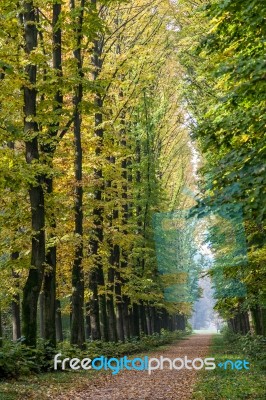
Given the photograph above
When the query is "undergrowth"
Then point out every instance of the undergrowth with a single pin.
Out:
(17, 360)
(233, 384)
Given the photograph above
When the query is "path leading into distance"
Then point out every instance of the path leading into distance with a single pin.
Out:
(163, 384)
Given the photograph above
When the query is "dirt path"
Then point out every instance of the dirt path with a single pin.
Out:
(139, 385)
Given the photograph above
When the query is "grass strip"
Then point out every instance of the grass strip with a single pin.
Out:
(228, 384)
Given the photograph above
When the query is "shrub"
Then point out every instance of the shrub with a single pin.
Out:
(16, 359)
(252, 346)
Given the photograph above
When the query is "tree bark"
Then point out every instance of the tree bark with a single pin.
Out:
(110, 301)
(15, 304)
(119, 306)
(259, 319)
(77, 322)
(97, 306)
(135, 331)
(58, 322)
(126, 322)
(142, 316)
(102, 306)
(148, 320)
(35, 276)
(41, 314)
(49, 285)
(87, 322)
(16, 329)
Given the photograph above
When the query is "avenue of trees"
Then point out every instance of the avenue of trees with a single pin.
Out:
(93, 142)
(225, 93)
(99, 104)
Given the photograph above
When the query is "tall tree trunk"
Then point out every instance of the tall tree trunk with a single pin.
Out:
(142, 316)
(93, 306)
(87, 322)
(41, 314)
(49, 285)
(15, 304)
(148, 320)
(157, 321)
(34, 280)
(259, 319)
(153, 316)
(16, 329)
(49, 290)
(119, 306)
(113, 264)
(102, 306)
(135, 331)
(58, 322)
(110, 299)
(126, 321)
(98, 315)
(77, 322)
(124, 254)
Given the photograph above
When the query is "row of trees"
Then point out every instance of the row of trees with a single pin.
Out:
(95, 103)
(225, 92)
(93, 142)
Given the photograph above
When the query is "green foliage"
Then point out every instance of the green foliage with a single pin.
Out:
(16, 359)
(231, 120)
(98, 348)
(251, 346)
(224, 88)
(141, 158)
(232, 384)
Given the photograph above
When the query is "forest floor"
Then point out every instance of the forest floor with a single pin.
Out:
(184, 384)
(163, 384)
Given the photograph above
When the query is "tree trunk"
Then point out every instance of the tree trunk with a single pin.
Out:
(93, 306)
(157, 321)
(102, 307)
(126, 322)
(148, 320)
(41, 314)
(183, 325)
(97, 305)
(49, 293)
(153, 324)
(110, 302)
(143, 322)
(34, 281)
(135, 331)
(113, 264)
(58, 322)
(16, 317)
(257, 320)
(119, 306)
(15, 304)
(49, 285)
(77, 322)
(87, 322)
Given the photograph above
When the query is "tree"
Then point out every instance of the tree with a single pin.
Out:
(34, 281)
(226, 70)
